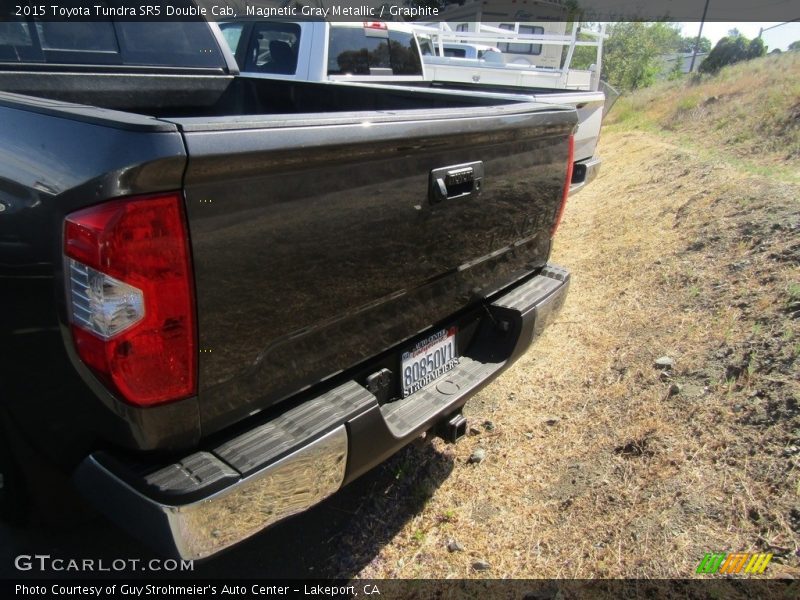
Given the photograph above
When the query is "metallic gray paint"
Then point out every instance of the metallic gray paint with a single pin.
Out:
(317, 247)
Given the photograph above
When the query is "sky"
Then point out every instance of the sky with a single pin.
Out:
(779, 37)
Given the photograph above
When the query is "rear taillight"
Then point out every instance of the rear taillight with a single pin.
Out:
(131, 296)
(567, 182)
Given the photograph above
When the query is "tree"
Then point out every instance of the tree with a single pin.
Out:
(730, 50)
(756, 48)
(631, 54)
(795, 46)
(687, 44)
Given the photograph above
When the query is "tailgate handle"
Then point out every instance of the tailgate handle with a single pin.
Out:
(457, 181)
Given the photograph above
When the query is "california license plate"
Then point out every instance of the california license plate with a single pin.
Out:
(428, 360)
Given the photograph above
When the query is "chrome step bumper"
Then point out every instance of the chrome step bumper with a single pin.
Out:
(226, 492)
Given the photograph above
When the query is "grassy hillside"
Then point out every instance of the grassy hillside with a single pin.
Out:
(748, 113)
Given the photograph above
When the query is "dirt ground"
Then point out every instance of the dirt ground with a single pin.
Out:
(598, 463)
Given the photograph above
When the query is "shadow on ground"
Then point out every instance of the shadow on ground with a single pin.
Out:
(335, 539)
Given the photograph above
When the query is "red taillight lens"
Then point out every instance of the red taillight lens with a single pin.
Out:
(567, 181)
(132, 296)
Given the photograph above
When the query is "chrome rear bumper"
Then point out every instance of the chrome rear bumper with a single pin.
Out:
(226, 492)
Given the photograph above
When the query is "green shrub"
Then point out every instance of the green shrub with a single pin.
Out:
(730, 50)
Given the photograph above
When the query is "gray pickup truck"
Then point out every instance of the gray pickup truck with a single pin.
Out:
(224, 298)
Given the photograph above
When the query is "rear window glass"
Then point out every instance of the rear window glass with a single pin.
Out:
(404, 54)
(355, 51)
(232, 32)
(187, 44)
(273, 48)
(178, 44)
(455, 52)
(76, 36)
(16, 43)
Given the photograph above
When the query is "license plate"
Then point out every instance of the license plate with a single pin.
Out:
(428, 360)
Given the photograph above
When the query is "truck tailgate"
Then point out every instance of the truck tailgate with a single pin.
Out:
(589, 105)
(320, 241)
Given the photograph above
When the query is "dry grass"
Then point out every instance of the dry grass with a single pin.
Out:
(594, 467)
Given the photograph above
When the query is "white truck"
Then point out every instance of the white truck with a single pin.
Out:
(466, 51)
(394, 54)
(524, 59)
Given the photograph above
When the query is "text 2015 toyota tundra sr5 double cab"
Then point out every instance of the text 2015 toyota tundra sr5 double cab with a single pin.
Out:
(224, 298)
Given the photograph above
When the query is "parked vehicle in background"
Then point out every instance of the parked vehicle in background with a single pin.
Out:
(325, 51)
(531, 62)
(546, 62)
